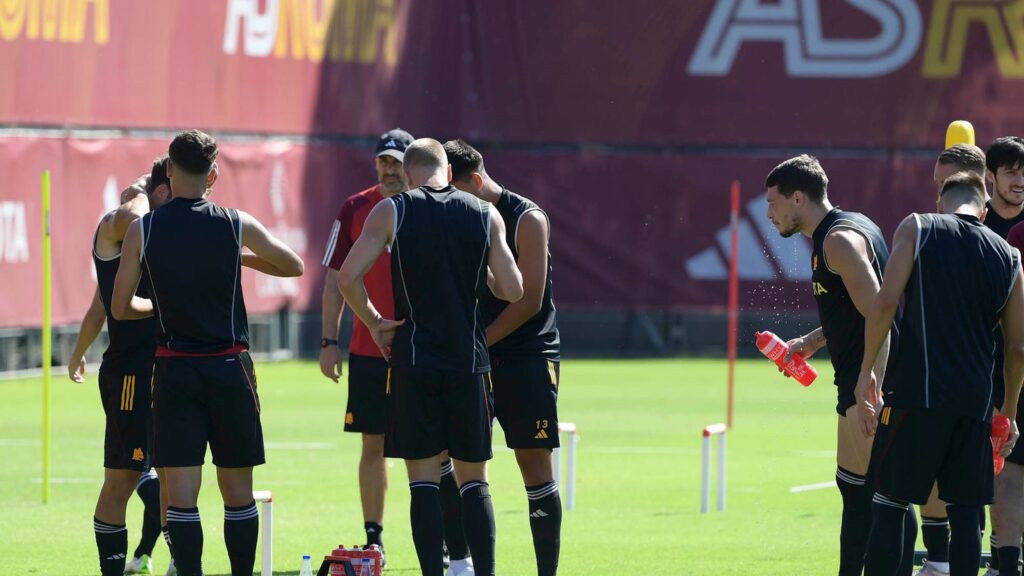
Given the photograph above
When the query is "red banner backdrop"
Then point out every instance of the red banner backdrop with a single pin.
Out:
(626, 121)
(872, 73)
(628, 232)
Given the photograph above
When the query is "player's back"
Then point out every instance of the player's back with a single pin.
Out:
(439, 271)
(126, 337)
(962, 277)
(191, 250)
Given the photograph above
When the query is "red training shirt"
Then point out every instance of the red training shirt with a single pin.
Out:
(347, 228)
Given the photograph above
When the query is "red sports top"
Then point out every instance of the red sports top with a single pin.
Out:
(346, 229)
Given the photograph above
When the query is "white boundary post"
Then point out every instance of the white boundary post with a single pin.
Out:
(705, 467)
(569, 430)
(266, 500)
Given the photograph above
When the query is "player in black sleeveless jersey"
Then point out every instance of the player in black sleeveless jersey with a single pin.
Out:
(446, 250)
(1005, 172)
(848, 260)
(124, 380)
(204, 388)
(958, 281)
(934, 523)
(524, 348)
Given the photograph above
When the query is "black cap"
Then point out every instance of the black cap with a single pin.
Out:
(393, 143)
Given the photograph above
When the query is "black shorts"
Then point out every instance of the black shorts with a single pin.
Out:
(207, 399)
(845, 396)
(429, 411)
(125, 394)
(367, 383)
(916, 448)
(526, 400)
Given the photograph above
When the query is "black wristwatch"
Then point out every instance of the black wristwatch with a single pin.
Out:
(325, 342)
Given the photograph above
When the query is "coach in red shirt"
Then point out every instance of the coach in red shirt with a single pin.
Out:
(367, 369)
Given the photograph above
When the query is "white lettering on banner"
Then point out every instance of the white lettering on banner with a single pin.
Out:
(761, 251)
(260, 28)
(13, 233)
(796, 24)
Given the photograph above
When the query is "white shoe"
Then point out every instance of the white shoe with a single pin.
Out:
(172, 570)
(991, 571)
(462, 567)
(143, 565)
(930, 569)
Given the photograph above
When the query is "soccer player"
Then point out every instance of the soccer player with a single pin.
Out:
(204, 386)
(524, 348)
(848, 261)
(1005, 171)
(446, 250)
(124, 380)
(934, 523)
(367, 375)
(936, 422)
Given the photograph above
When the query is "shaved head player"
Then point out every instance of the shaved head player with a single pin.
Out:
(446, 249)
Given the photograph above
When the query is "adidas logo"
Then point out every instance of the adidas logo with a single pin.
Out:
(391, 144)
(763, 253)
(122, 556)
(538, 514)
(541, 435)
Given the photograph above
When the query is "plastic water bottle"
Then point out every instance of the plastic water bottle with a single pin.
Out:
(367, 569)
(1000, 434)
(775, 350)
(307, 568)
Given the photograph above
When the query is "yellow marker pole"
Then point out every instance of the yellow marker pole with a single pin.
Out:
(47, 335)
(959, 132)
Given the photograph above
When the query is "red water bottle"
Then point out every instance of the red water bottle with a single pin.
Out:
(775, 350)
(1000, 434)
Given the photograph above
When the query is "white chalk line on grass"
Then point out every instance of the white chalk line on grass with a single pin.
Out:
(810, 487)
(15, 442)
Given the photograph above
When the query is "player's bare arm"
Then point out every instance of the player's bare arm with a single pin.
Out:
(270, 255)
(805, 345)
(124, 304)
(92, 324)
(1012, 320)
(504, 278)
(134, 205)
(532, 241)
(879, 319)
(848, 253)
(330, 321)
(377, 234)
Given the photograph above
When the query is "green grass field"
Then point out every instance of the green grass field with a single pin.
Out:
(637, 492)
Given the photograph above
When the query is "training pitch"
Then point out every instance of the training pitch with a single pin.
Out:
(638, 487)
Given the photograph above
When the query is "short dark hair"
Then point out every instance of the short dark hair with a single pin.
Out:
(158, 175)
(803, 173)
(965, 157)
(1005, 152)
(463, 158)
(966, 187)
(193, 151)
